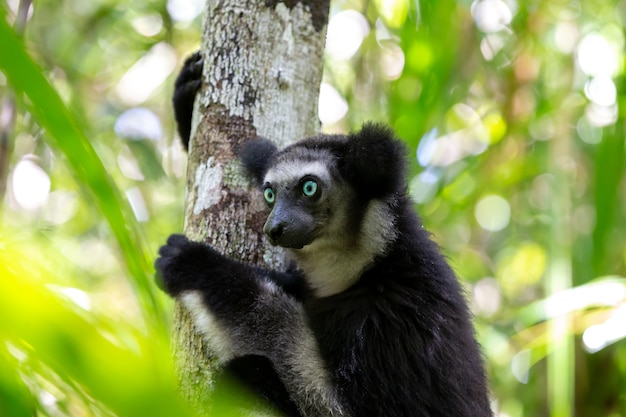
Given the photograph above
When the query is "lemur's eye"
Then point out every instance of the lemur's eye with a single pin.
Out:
(270, 195)
(309, 188)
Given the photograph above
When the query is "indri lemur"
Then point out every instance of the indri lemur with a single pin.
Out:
(372, 323)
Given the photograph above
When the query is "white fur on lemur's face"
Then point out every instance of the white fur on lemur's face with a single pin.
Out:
(298, 191)
(318, 216)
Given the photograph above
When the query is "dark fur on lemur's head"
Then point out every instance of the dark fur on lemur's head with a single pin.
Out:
(371, 159)
(331, 199)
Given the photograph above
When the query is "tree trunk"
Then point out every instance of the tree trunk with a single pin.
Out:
(261, 77)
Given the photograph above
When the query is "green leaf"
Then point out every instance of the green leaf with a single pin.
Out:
(130, 381)
(64, 136)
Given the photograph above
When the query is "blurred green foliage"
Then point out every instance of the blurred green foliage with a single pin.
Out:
(513, 112)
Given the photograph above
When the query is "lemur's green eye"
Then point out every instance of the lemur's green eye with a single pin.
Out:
(309, 188)
(269, 195)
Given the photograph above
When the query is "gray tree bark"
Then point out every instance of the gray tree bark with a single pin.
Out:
(261, 77)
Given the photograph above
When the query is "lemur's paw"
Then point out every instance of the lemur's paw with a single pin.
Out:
(183, 264)
(185, 88)
(191, 72)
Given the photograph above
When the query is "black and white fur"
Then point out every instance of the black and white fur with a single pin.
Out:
(373, 323)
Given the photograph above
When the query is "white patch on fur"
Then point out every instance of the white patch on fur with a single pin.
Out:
(299, 363)
(294, 169)
(314, 386)
(334, 262)
(290, 345)
(206, 323)
(270, 287)
(379, 228)
(288, 341)
(208, 185)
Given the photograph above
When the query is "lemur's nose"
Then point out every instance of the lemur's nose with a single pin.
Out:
(274, 232)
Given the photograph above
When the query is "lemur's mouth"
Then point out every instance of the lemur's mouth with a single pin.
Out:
(291, 243)
(290, 237)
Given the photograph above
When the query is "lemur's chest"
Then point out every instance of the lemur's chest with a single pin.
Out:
(344, 324)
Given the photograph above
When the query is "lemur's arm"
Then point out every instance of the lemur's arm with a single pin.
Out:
(185, 89)
(242, 311)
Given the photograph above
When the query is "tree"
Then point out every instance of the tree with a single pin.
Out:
(263, 68)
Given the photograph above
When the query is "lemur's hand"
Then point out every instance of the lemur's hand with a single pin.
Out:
(185, 265)
(185, 89)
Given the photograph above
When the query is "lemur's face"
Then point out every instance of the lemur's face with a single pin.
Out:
(326, 194)
(298, 194)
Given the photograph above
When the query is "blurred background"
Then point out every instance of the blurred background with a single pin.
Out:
(515, 115)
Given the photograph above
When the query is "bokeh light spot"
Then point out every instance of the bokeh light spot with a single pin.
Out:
(332, 106)
(184, 10)
(346, 31)
(148, 73)
(138, 123)
(596, 56)
(30, 184)
(493, 213)
(601, 90)
(491, 15)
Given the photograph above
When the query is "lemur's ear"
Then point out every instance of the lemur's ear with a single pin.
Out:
(375, 161)
(256, 155)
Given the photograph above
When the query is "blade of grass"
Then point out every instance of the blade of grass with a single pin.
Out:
(609, 169)
(25, 77)
(15, 399)
(560, 360)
